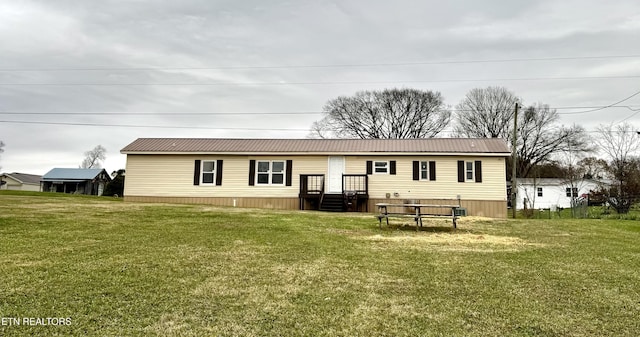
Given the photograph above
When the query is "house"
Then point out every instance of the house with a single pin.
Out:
(20, 182)
(76, 180)
(326, 174)
(551, 192)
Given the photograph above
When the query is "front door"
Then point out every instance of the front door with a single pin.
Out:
(336, 170)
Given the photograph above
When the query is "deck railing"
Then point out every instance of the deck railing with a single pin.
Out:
(311, 185)
(357, 183)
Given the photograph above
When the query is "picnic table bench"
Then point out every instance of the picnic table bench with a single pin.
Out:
(418, 215)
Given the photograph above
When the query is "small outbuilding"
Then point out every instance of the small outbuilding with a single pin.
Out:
(552, 192)
(76, 180)
(20, 182)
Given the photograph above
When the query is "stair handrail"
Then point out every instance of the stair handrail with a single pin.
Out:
(322, 191)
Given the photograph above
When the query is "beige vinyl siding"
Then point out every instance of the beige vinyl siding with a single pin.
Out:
(12, 184)
(446, 185)
(172, 176)
(30, 187)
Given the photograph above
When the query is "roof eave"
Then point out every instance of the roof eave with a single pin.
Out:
(483, 154)
(12, 177)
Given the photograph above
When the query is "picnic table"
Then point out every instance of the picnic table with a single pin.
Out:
(420, 212)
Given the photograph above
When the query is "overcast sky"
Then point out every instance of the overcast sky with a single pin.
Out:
(149, 66)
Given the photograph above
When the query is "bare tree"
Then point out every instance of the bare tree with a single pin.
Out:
(540, 137)
(621, 144)
(486, 113)
(92, 158)
(574, 175)
(594, 168)
(391, 113)
(489, 112)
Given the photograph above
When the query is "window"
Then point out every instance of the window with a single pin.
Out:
(570, 190)
(277, 172)
(270, 172)
(469, 171)
(208, 172)
(539, 191)
(381, 167)
(424, 170)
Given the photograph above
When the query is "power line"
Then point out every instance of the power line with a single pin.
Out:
(629, 107)
(625, 119)
(606, 106)
(150, 126)
(183, 127)
(348, 65)
(177, 113)
(249, 113)
(324, 83)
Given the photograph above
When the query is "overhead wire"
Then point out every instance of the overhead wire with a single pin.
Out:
(636, 111)
(282, 83)
(151, 126)
(347, 65)
(184, 127)
(223, 113)
(250, 113)
(606, 106)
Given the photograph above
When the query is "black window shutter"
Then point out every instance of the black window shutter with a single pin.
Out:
(369, 167)
(416, 170)
(460, 171)
(478, 171)
(218, 172)
(196, 173)
(432, 170)
(392, 167)
(289, 172)
(252, 172)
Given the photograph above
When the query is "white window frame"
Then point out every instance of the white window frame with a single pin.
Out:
(424, 170)
(203, 172)
(572, 192)
(539, 191)
(467, 171)
(386, 167)
(270, 172)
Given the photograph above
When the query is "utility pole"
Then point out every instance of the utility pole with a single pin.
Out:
(514, 160)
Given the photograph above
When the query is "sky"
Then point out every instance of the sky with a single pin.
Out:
(76, 74)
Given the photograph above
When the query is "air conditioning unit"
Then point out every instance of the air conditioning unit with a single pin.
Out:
(461, 211)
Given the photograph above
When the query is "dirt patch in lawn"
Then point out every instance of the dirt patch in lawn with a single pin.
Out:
(451, 242)
(479, 219)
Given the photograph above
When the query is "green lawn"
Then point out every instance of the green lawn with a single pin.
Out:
(122, 269)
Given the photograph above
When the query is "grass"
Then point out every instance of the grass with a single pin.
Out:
(129, 269)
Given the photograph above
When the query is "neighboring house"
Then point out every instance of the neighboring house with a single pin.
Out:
(327, 174)
(75, 180)
(20, 182)
(551, 192)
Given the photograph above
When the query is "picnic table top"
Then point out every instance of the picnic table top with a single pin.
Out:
(416, 205)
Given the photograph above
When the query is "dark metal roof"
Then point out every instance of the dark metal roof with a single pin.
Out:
(62, 174)
(25, 178)
(217, 145)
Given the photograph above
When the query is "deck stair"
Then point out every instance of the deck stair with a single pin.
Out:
(332, 202)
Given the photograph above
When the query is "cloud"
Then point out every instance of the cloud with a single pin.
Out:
(101, 42)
